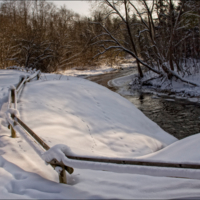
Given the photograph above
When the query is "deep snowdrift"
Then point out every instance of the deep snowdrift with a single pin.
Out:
(183, 151)
(79, 113)
(91, 120)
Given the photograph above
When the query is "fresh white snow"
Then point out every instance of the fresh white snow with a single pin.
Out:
(159, 86)
(102, 69)
(90, 120)
(86, 72)
(76, 111)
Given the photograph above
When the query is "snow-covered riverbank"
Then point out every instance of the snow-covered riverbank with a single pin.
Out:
(91, 120)
(177, 90)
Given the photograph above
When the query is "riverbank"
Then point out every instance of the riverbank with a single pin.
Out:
(89, 71)
(127, 85)
(176, 115)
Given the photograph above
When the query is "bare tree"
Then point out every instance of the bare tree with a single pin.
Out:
(38, 34)
(157, 40)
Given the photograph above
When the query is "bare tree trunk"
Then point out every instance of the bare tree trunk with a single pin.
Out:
(131, 38)
(171, 41)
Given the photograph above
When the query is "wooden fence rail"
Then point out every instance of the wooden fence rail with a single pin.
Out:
(12, 102)
(54, 163)
(12, 97)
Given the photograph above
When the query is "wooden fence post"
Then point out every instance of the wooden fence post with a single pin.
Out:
(38, 76)
(12, 95)
(13, 132)
(63, 176)
(20, 81)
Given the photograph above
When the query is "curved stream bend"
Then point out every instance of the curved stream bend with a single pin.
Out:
(177, 117)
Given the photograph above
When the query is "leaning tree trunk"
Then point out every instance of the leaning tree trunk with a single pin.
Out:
(131, 39)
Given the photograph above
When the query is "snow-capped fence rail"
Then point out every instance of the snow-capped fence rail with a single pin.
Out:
(20, 84)
(62, 174)
(12, 97)
(132, 166)
(179, 170)
(14, 120)
(136, 162)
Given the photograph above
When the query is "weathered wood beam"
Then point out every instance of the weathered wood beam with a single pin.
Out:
(141, 163)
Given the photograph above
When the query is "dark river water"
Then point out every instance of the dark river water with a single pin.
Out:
(180, 118)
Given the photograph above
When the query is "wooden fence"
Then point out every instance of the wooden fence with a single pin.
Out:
(54, 163)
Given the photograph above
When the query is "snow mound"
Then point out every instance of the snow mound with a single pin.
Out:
(16, 183)
(13, 111)
(183, 151)
(77, 112)
(12, 87)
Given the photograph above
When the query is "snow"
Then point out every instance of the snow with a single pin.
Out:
(89, 184)
(178, 87)
(159, 86)
(122, 84)
(88, 72)
(74, 109)
(170, 154)
(12, 111)
(12, 87)
(174, 152)
(33, 75)
(93, 71)
(83, 118)
(16, 183)
(8, 78)
(59, 153)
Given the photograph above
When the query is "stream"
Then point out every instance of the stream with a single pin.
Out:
(178, 117)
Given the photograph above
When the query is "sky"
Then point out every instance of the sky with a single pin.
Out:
(81, 7)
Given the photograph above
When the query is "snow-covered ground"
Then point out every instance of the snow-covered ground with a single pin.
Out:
(87, 72)
(93, 71)
(174, 89)
(99, 120)
(91, 120)
(177, 87)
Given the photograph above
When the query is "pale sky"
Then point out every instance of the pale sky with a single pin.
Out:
(81, 7)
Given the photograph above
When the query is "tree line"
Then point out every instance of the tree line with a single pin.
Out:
(37, 34)
(162, 35)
